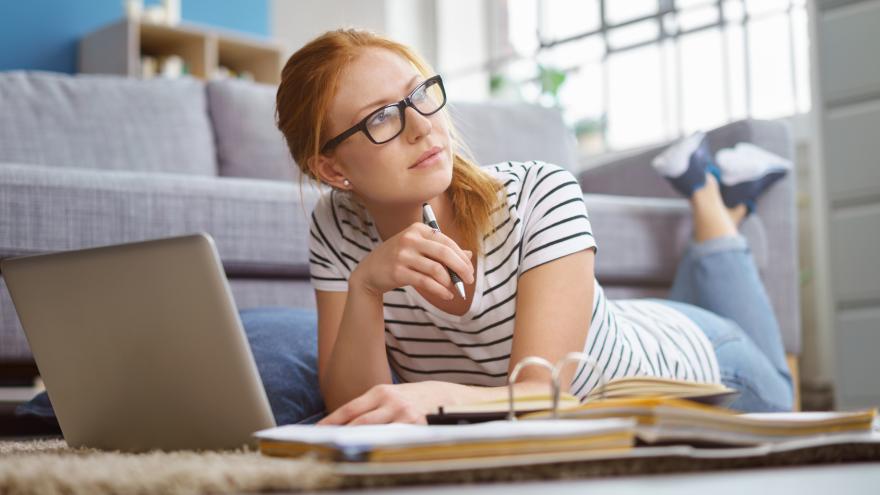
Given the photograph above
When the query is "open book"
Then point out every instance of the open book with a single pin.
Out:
(621, 387)
(652, 386)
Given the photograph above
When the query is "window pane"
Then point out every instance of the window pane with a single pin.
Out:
(633, 34)
(754, 7)
(801, 58)
(733, 10)
(702, 81)
(565, 18)
(685, 4)
(469, 87)
(582, 94)
(634, 97)
(617, 11)
(574, 53)
(695, 18)
(736, 67)
(770, 64)
(522, 25)
(670, 90)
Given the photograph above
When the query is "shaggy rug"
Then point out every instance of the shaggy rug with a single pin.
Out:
(51, 467)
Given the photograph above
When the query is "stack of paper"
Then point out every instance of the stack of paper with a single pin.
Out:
(404, 442)
(665, 420)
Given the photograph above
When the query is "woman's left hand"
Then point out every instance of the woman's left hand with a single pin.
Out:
(401, 403)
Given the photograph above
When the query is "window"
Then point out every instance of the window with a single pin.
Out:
(643, 71)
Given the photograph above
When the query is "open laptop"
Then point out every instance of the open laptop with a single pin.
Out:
(140, 345)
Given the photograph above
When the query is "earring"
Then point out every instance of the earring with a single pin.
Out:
(346, 182)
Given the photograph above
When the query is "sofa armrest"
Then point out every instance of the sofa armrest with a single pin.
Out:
(631, 174)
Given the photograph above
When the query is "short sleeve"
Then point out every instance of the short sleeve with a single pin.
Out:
(555, 216)
(326, 266)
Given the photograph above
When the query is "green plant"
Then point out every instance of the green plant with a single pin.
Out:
(552, 80)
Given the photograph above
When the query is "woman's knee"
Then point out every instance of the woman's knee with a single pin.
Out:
(762, 388)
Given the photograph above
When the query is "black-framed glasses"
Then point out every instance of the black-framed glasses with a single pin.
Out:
(386, 123)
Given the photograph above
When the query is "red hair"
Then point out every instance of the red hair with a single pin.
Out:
(309, 82)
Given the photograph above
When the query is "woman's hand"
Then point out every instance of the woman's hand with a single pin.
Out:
(416, 256)
(401, 403)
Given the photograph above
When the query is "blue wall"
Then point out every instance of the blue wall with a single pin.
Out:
(43, 34)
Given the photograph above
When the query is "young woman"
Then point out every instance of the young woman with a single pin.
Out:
(365, 116)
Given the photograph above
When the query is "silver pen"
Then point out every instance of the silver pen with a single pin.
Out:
(431, 221)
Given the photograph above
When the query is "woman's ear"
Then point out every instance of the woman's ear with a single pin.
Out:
(329, 172)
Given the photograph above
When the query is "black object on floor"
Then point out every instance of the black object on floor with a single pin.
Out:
(26, 425)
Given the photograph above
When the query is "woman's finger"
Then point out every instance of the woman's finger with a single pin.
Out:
(445, 255)
(352, 409)
(380, 416)
(430, 268)
(437, 236)
(425, 282)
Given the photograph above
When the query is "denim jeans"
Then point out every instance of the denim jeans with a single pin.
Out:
(717, 286)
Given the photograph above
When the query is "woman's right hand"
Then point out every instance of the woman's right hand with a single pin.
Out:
(416, 256)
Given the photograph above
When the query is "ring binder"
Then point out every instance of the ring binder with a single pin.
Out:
(555, 370)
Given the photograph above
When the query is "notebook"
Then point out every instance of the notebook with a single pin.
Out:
(405, 442)
(663, 420)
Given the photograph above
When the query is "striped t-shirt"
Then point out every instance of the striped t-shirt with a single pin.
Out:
(544, 219)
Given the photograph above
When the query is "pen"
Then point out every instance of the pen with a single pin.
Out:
(431, 221)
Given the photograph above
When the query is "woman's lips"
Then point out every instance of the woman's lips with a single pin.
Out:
(428, 158)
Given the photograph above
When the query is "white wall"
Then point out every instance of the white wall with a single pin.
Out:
(450, 34)
(295, 22)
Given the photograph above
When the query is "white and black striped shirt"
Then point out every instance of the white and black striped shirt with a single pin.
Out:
(544, 219)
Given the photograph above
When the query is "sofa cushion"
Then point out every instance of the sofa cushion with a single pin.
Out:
(248, 142)
(105, 122)
(647, 237)
(499, 131)
(260, 226)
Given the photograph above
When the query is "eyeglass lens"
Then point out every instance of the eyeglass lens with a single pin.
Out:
(386, 123)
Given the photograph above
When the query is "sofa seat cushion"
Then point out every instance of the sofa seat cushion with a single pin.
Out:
(105, 122)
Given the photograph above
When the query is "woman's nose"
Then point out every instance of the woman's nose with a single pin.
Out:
(417, 125)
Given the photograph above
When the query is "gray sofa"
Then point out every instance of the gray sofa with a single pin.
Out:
(95, 160)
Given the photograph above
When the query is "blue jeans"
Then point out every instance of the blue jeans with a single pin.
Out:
(717, 286)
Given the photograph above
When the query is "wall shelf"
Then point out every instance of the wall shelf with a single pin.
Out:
(118, 47)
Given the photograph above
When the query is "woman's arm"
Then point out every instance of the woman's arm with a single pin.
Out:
(554, 303)
(553, 308)
(351, 345)
(351, 326)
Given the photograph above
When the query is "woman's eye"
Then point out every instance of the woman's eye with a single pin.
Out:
(379, 117)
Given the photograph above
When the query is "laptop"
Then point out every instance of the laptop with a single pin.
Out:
(140, 345)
